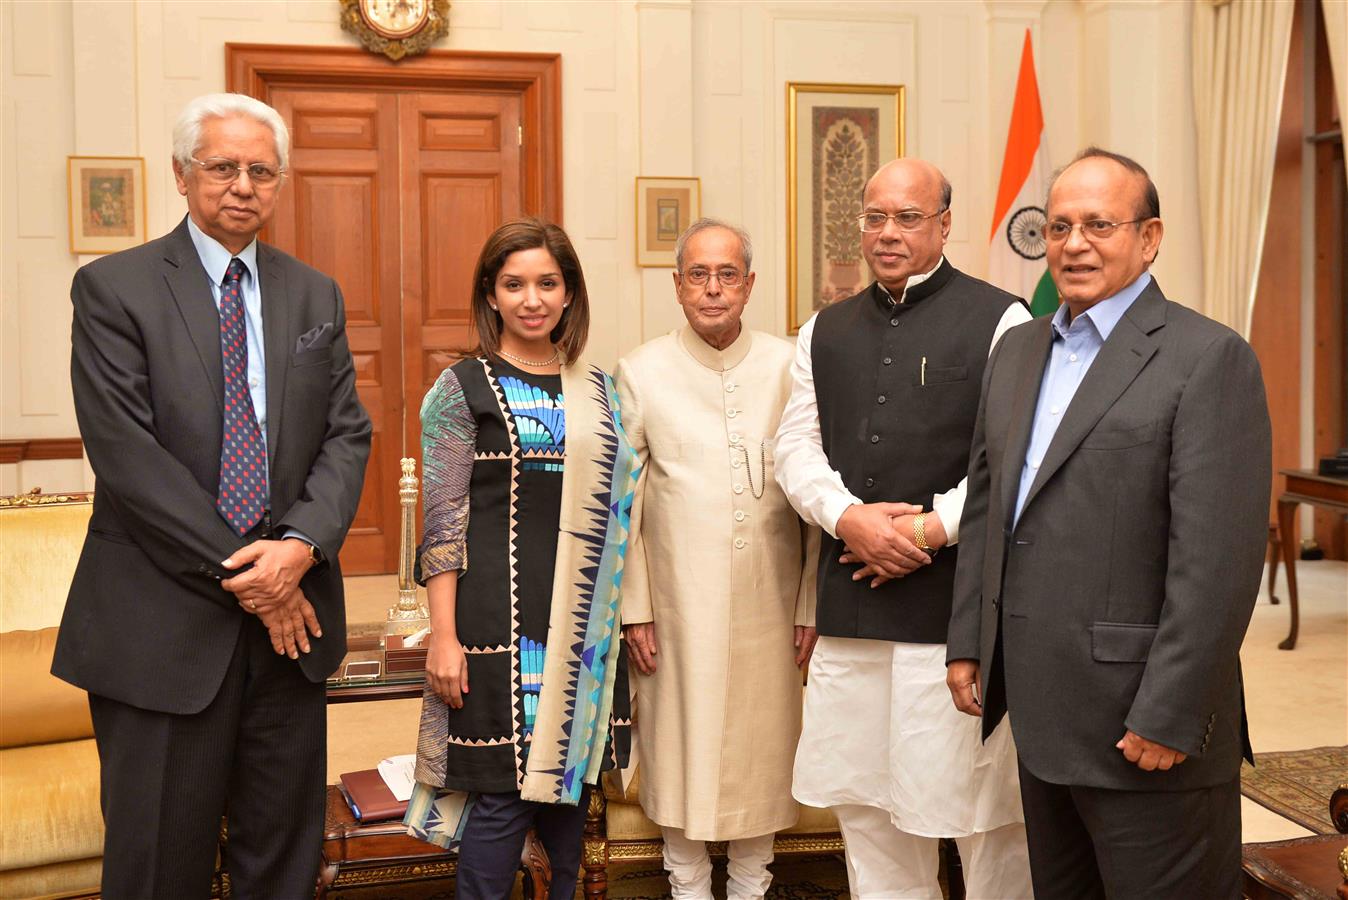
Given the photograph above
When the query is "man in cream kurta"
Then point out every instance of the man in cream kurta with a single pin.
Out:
(718, 597)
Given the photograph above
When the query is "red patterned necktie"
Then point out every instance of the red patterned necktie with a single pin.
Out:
(242, 497)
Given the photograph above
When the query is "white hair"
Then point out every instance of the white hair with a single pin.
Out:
(704, 224)
(187, 130)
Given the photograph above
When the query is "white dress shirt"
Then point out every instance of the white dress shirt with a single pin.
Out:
(815, 488)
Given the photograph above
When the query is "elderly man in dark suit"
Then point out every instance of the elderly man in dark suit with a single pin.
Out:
(1114, 538)
(216, 397)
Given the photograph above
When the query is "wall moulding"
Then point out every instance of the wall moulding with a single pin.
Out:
(40, 448)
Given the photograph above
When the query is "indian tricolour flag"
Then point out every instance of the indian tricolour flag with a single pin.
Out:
(1016, 257)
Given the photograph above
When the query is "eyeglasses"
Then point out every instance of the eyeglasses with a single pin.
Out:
(226, 171)
(1092, 229)
(728, 278)
(908, 220)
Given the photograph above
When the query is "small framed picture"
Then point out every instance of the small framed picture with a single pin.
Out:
(665, 208)
(837, 135)
(107, 203)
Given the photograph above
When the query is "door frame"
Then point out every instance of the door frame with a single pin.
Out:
(253, 69)
(259, 69)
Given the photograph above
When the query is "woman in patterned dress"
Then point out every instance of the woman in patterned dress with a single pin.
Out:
(522, 562)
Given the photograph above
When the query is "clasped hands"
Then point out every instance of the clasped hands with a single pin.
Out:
(270, 590)
(879, 538)
(642, 646)
(965, 682)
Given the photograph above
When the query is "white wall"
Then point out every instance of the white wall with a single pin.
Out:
(650, 87)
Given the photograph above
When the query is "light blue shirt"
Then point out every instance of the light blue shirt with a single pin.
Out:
(1075, 347)
(215, 259)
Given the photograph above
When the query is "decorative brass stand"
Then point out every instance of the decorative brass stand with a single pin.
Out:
(409, 615)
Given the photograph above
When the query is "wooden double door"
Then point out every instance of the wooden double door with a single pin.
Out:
(392, 190)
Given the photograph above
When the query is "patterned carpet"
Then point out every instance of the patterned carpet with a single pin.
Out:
(1296, 784)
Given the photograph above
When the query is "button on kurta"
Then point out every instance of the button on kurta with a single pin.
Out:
(894, 321)
(734, 437)
(880, 399)
(732, 413)
(875, 439)
(739, 489)
(887, 360)
(739, 543)
(739, 515)
(730, 388)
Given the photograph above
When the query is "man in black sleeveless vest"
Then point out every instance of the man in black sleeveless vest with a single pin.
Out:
(873, 447)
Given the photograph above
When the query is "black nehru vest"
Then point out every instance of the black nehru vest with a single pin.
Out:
(897, 430)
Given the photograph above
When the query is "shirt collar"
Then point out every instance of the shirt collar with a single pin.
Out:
(215, 258)
(709, 356)
(1105, 314)
(913, 281)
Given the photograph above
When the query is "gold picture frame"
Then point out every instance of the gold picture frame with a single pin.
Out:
(837, 135)
(665, 207)
(106, 203)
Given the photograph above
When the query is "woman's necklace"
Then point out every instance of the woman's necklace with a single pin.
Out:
(529, 362)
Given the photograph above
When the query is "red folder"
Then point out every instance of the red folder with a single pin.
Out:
(369, 797)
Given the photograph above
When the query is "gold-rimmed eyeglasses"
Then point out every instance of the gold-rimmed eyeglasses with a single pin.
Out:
(727, 277)
(226, 171)
(1059, 230)
(907, 220)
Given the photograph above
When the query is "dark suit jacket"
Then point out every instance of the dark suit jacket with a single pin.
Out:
(1120, 599)
(147, 622)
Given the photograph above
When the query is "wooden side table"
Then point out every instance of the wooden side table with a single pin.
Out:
(1303, 486)
(1300, 869)
(383, 853)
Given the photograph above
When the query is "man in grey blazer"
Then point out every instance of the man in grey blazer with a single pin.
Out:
(216, 398)
(1112, 549)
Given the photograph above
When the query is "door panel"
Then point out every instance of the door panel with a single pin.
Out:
(461, 178)
(393, 193)
(339, 214)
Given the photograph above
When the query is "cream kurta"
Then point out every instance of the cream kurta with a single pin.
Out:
(724, 576)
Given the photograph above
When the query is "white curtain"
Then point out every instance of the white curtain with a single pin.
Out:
(1240, 61)
(1336, 34)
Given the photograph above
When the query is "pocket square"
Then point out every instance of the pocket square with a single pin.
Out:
(315, 338)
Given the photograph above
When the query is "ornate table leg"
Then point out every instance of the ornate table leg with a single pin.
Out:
(537, 868)
(1287, 537)
(1274, 554)
(594, 850)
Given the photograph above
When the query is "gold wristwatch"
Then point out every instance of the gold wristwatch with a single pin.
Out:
(920, 532)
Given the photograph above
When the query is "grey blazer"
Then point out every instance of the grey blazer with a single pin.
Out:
(1120, 599)
(147, 622)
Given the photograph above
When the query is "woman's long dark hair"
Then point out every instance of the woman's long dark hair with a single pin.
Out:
(529, 234)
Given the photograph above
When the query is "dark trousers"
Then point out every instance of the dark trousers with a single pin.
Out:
(493, 839)
(257, 754)
(1094, 842)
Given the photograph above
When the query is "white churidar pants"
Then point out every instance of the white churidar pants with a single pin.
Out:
(689, 867)
(884, 747)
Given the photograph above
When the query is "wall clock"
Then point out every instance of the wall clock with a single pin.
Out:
(396, 28)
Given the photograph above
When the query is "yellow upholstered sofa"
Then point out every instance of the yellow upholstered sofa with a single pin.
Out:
(51, 827)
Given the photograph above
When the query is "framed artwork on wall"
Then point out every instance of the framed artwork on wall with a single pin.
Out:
(107, 203)
(665, 207)
(837, 135)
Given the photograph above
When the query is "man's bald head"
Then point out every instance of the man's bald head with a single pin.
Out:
(912, 171)
(897, 252)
